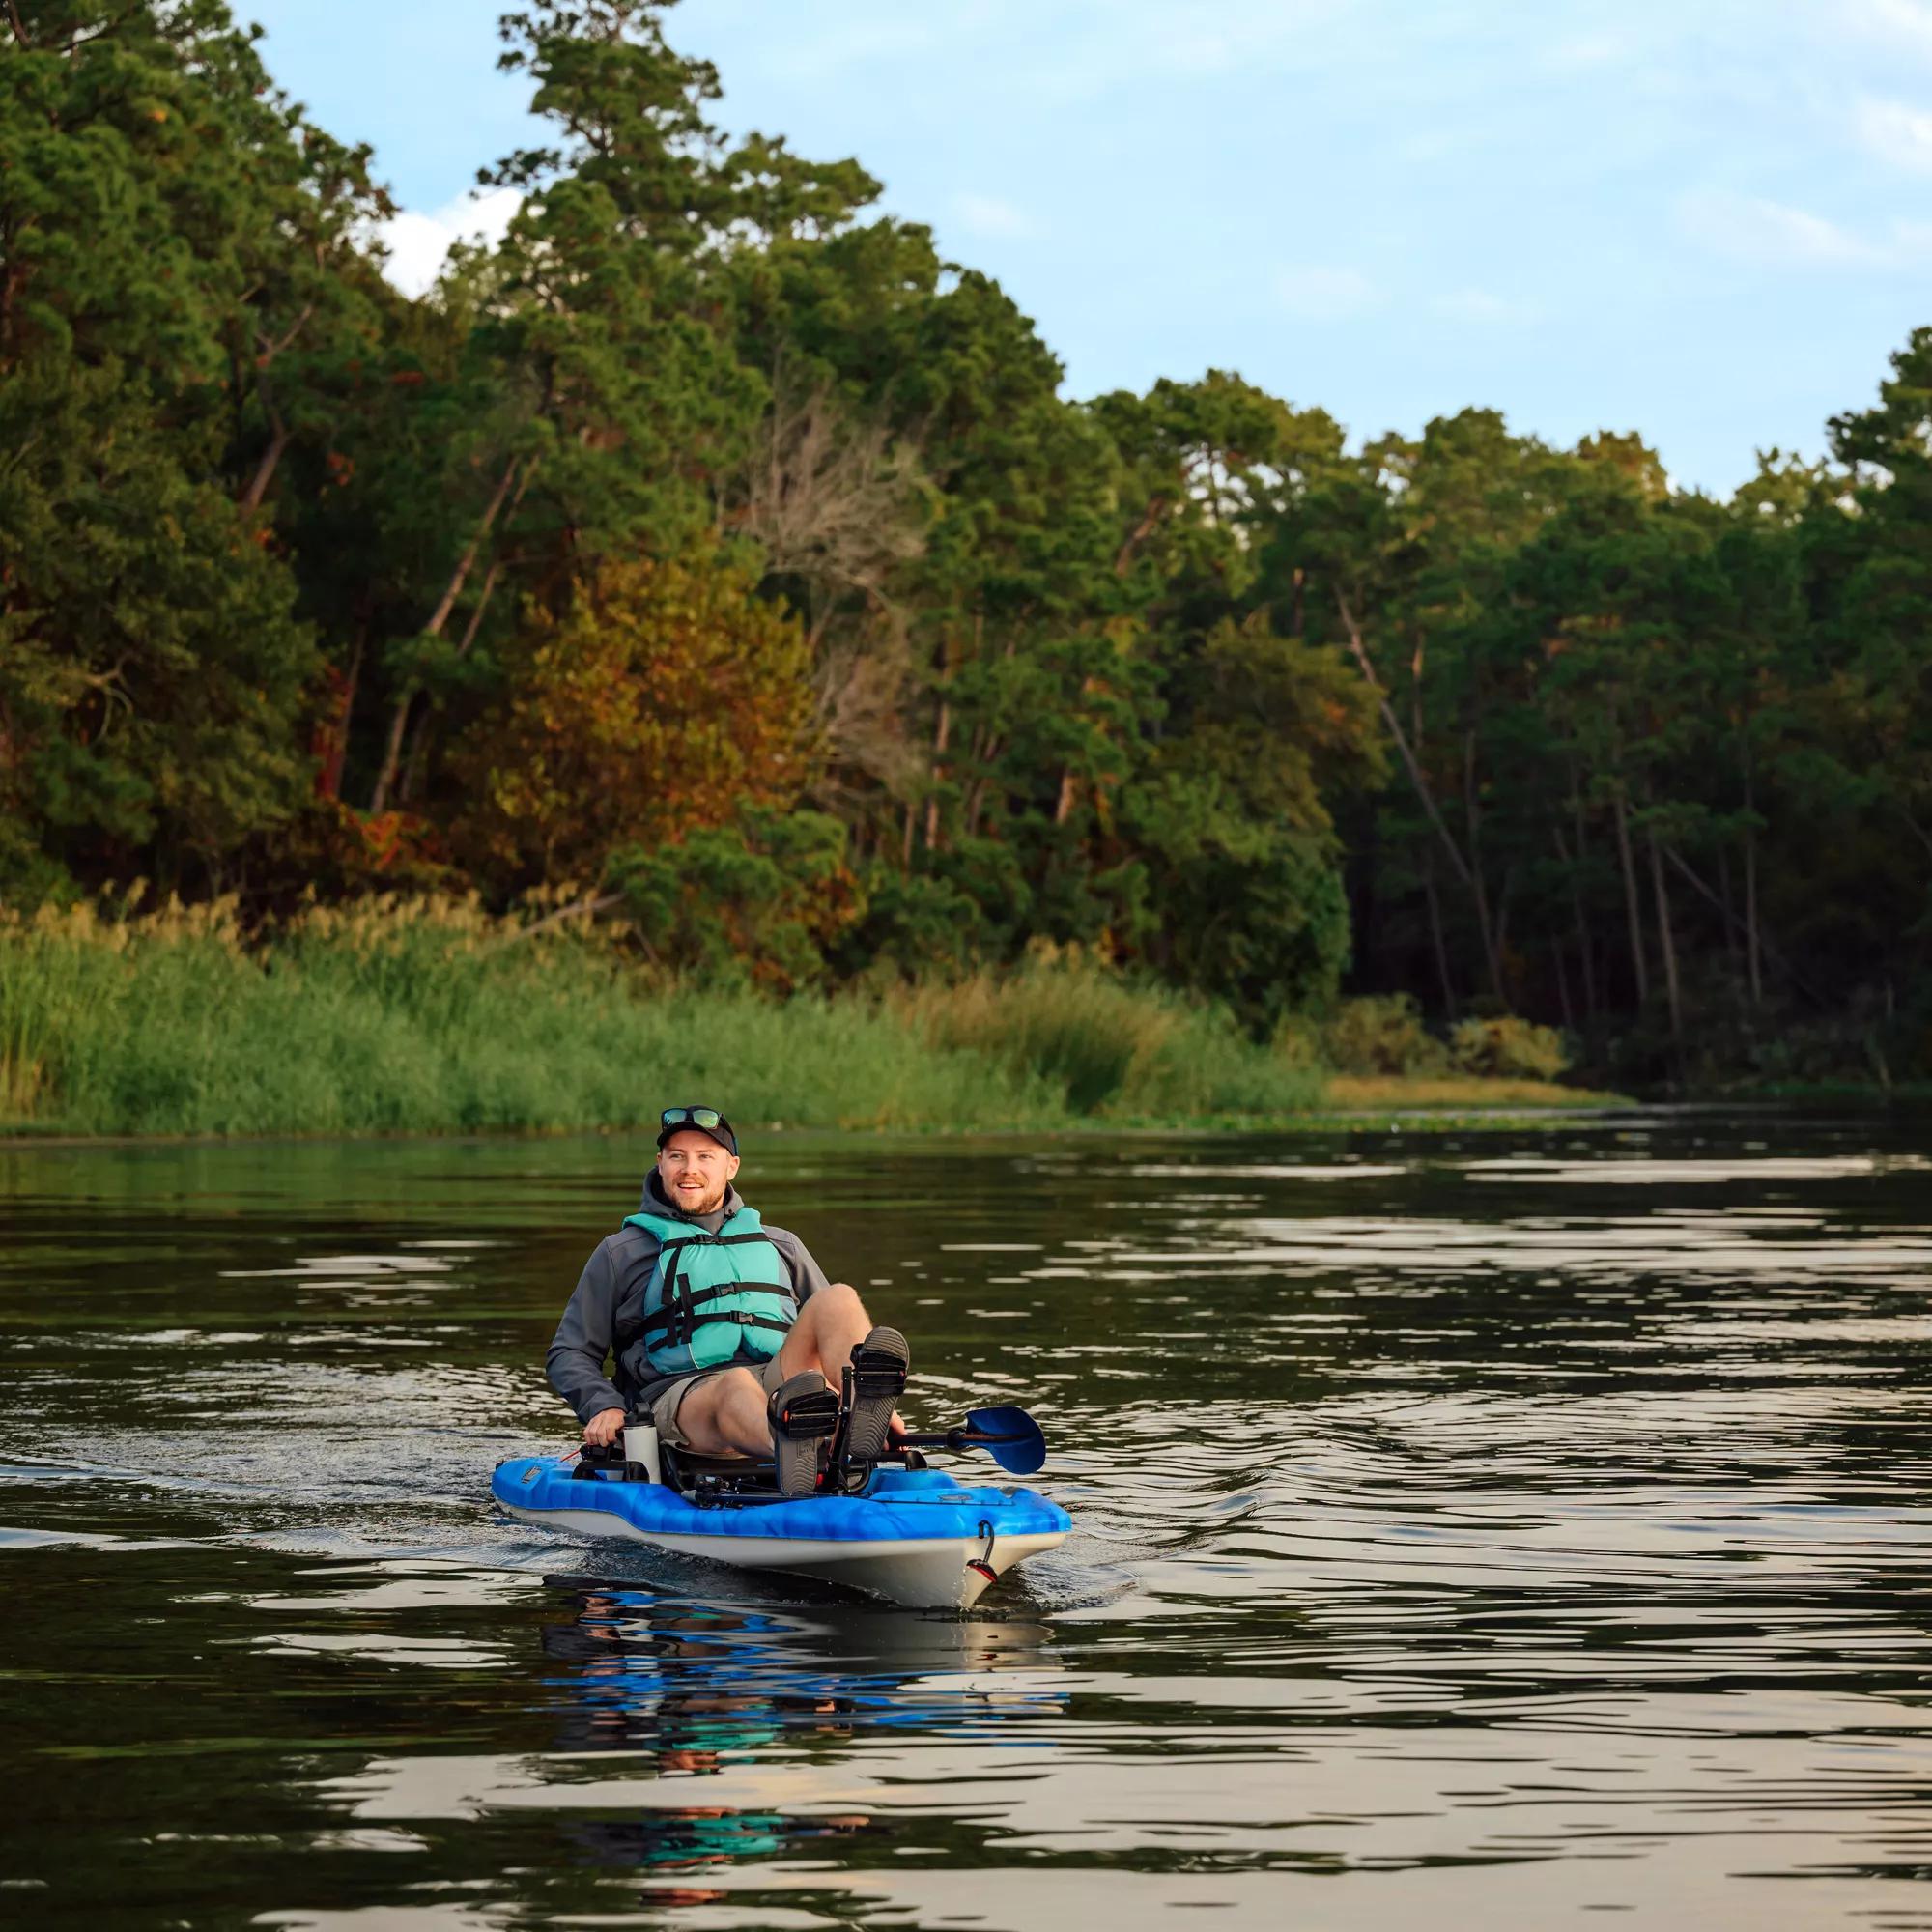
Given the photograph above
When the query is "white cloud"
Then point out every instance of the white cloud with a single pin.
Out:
(1479, 305)
(1908, 22)
(418, 244)
(1318, 293)
(1895, 133)
(986, 214)
(1753, 229)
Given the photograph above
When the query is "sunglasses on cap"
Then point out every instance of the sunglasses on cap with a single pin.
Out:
(707, 1118)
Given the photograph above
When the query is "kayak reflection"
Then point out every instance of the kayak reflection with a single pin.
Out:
(693, 1681)
(705, 1689)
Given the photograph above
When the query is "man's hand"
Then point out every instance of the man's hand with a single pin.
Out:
(896, 1430)
(603, 1427)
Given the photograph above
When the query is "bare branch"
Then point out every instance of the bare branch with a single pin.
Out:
(828, 499)
(268, 351)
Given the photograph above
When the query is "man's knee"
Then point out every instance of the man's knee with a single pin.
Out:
(736, 1383)
(836, 1299)
(717, 1391)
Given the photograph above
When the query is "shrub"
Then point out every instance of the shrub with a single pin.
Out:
(1382, 1034)
(1508, 1048)
(1298, 1041)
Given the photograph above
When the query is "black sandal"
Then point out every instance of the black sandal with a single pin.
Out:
(804, 1413)
(874, 1383)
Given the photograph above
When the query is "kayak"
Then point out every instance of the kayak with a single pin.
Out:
(915, 1537)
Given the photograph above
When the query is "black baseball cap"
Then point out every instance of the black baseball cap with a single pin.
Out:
(706, 1120)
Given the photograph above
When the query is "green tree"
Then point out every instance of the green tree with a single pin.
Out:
(171, 235)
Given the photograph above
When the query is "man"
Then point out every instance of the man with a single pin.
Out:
(725, 1333)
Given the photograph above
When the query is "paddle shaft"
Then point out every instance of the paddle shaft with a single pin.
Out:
(957, 1439)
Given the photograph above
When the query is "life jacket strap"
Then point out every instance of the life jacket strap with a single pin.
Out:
(682, 1302)
(736, 1315)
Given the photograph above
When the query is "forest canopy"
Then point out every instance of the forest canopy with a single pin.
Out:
(716, 547)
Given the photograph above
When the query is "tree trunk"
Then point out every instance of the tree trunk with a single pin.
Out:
(1436, 939)
(264, 470)
(1665, 945)
(483, 597)
(1753, 946)
(940, 736)
(392, 750)
(392, 756)
(1730, 917)
(1574, 872)
(982, 786)
(412, 766)
(1485, 924)
(1631, 900)
(1427, 798)
(467, 562)
(329, 780)
(1064, 807)
(1772, 953)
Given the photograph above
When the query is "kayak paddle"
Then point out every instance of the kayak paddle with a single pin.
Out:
(1011, 1435)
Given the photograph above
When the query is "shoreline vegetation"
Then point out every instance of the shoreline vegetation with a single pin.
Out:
(431, 1015)
(714, 539)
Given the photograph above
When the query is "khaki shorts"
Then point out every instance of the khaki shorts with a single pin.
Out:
(664, 1411)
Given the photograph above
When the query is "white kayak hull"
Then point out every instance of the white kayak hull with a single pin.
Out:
(936, 1572)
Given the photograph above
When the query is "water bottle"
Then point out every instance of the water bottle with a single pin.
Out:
(640, 1451)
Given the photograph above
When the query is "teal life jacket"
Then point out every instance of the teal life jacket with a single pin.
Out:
(713, 1299)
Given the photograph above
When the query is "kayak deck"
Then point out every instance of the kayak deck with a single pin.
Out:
(916, 1538)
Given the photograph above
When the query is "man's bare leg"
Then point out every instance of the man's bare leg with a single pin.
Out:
(726, 1414)
(831, 1325)
(729, 1414)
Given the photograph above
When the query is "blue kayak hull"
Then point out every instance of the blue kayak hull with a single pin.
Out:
(915, 1537)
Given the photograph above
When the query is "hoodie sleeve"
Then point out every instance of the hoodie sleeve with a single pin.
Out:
(584, 1339)
(806, 1276)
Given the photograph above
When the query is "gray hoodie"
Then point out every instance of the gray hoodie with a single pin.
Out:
(605, 1314)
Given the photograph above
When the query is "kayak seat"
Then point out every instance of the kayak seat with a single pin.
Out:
(747, 1476)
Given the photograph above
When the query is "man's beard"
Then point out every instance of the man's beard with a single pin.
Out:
(708, 1204)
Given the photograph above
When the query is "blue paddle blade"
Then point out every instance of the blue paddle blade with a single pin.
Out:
(1014, 1438)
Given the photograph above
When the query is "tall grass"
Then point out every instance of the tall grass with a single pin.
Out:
(1112, 1047)
(431, 1015)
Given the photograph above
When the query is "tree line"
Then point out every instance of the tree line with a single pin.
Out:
(716, 544)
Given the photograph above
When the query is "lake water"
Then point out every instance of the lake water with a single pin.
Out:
(1471, 1530)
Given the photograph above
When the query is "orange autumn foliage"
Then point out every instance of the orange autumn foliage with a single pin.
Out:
(668, 699)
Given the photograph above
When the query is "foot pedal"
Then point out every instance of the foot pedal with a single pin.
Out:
(804, 1416)
(874, 1383)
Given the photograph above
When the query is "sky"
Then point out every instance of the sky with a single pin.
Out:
(1706, 220)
